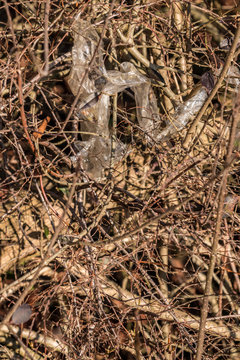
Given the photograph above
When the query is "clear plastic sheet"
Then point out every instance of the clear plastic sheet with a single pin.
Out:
(190, 108)
(96, 84)
(183, 114)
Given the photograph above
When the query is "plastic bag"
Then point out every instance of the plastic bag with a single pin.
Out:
(190, 108)
(183, 114)
(96, 88)
(97, 84)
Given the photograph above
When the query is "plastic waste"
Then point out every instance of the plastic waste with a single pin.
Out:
(229, 203)
(183, 114)
(96, 85)
(189, 109)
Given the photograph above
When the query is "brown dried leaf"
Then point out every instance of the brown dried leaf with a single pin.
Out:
(22, 314)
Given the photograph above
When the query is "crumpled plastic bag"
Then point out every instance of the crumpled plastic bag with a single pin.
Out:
(96, 87)
(96, 84)
(190, 108)
(183, 114)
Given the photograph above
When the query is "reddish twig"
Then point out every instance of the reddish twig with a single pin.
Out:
(204, 312)
(22, 111)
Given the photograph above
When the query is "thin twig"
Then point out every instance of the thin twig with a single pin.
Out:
(204, 312)
(46, 38)
(61, 221)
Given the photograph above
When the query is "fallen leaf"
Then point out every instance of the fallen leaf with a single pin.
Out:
(22, 314)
